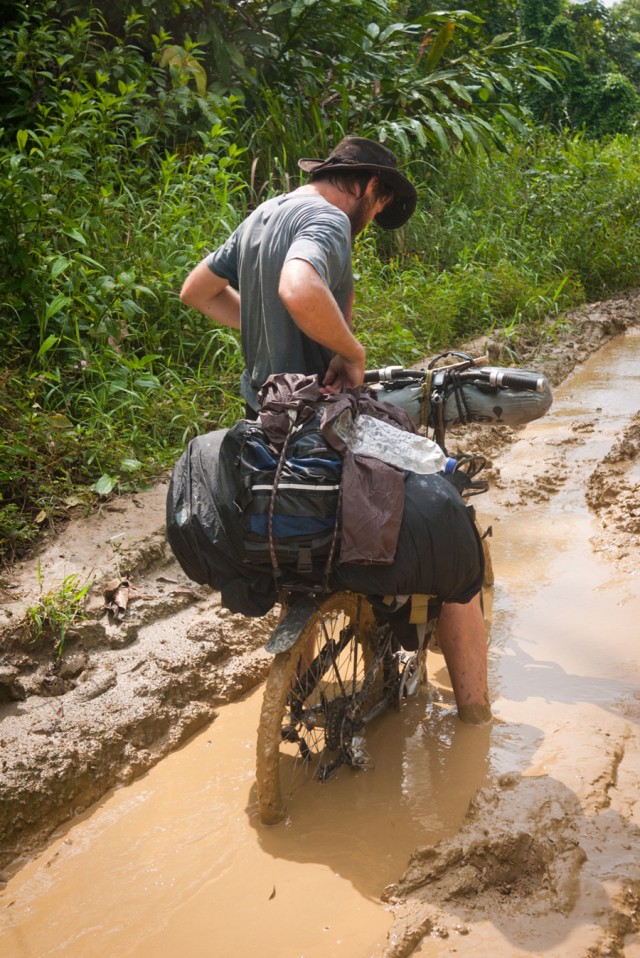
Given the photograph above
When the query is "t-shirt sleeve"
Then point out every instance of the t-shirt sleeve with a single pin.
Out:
(324, 242)
(224, 261)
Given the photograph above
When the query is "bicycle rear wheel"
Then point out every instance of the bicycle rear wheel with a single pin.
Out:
(318, 698)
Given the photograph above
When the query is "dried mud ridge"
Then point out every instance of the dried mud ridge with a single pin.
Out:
(527, 847)
(125, 693)
(135, 682)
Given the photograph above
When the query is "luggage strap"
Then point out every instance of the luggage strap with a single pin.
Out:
(304, 563)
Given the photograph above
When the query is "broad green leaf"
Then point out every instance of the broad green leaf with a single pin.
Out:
(59, 302)
(199, 76)
(418, 129)
(22, 136)
(390, 30)
(471, 132)
(501, 38)
(300, 6)
(76, 235)
(90, 261)
(59, 265)
(461, 92)
(104, 485)
(57, 421)
(235, 55)
(438, 45)
(48, 344)
(171, 56)
(437, 128)
(146, 382)
(516, 124)
(455, 128)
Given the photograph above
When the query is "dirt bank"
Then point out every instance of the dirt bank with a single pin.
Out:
(135, 681)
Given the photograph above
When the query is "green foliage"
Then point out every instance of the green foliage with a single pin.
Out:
(503, 241)
(439, 80)
(54, 613)
(622, 39)
(424, 85)
(99, 224)
(536, 16)
(613, 105)
(595, 95)
(126, 155)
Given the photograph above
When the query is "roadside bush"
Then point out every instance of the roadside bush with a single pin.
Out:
(104, 373)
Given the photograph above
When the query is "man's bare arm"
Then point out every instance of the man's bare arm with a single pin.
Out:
(313, 308)
(212, 295)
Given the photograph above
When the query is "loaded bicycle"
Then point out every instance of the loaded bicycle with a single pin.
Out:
(338, 663)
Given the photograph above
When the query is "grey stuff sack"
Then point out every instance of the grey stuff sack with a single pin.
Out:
(203, 547)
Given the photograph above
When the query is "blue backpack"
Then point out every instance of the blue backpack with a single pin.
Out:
(286, 502)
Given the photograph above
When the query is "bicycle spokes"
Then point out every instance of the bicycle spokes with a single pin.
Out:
(329, 704)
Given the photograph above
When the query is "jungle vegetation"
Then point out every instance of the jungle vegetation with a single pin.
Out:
(134, 138)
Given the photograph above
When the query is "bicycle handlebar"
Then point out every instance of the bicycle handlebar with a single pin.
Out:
(490, 376)
(513, 378)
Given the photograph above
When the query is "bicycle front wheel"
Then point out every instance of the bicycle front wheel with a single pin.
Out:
(318, 698)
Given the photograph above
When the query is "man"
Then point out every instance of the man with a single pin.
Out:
(291, 261)
(284, 278)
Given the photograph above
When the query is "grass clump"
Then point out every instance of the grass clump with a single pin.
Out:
(55, 612)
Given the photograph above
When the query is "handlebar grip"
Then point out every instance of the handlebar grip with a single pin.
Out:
(514, 378)
(385, 375)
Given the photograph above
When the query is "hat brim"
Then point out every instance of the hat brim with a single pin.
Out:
(396, 214)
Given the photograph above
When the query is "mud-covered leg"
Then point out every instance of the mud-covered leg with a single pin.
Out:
(463, 642)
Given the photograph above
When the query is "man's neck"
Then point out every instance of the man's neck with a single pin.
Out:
(329, 192)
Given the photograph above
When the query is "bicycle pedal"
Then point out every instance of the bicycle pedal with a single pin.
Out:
(358, 755)
(413, 676)
(411, 685)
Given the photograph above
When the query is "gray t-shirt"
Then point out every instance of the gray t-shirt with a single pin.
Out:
(287, 227)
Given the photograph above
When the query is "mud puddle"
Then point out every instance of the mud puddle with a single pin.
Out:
(178, 861)
(544, 859)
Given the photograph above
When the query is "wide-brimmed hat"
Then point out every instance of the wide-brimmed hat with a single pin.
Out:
(358, 153)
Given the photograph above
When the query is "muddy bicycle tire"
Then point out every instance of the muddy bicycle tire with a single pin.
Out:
(343, 618)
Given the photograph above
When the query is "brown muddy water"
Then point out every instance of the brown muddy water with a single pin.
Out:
(177, 863)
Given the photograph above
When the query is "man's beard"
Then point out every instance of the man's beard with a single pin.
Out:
(360, 214)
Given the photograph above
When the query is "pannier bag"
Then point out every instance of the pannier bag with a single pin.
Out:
(206, 548)
(439, 552)
(439, 549)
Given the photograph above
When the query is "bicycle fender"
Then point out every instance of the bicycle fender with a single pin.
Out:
(286, 633)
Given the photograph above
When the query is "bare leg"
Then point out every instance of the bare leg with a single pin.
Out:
(463, 642)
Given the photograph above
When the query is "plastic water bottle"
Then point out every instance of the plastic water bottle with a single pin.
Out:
(406, 450)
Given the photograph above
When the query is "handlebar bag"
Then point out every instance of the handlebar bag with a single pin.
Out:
(473, 402)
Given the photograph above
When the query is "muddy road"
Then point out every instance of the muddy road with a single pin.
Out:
(517, 839)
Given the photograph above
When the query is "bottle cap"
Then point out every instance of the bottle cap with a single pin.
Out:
(450, 466)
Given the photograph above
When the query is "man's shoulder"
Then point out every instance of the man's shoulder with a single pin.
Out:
(302, 206)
